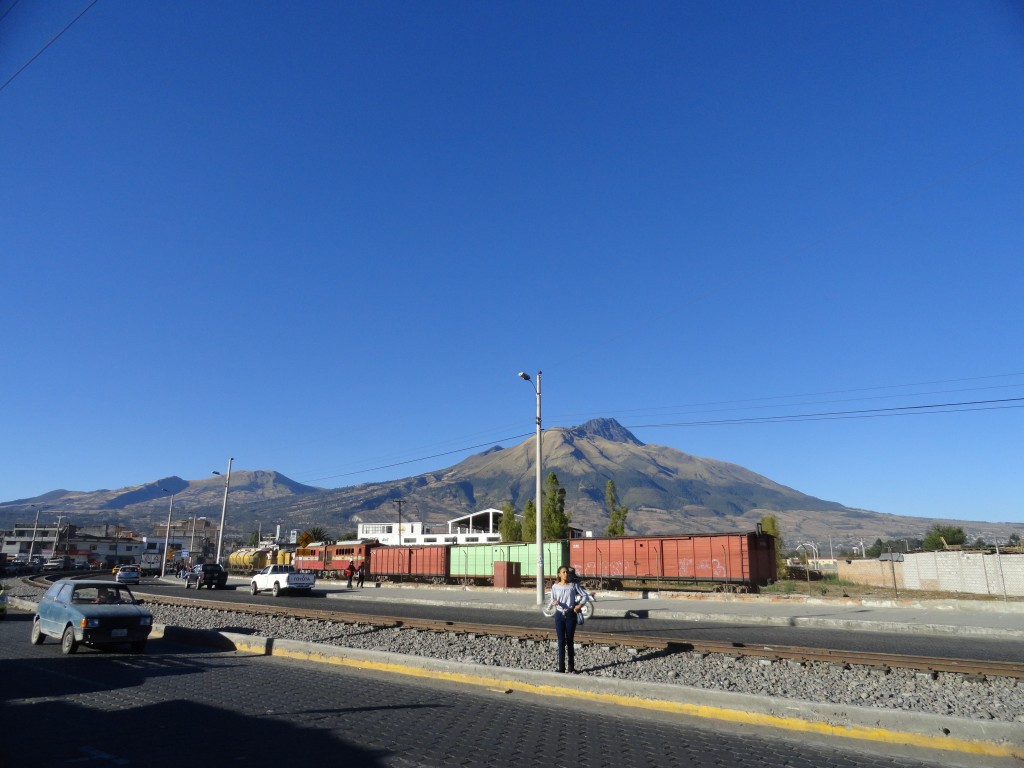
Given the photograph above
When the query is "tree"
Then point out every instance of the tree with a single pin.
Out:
(316, 533)
(254, 539)
(952, 535)
(510, 528)
(616, 512)
(555, 521)
(875, 549)
(529, 524)
(1014, 540)
(771, 526)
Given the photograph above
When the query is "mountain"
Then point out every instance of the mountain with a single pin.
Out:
(140, 506)
(666, 490)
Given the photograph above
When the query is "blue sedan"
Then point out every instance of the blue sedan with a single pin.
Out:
(96, 613)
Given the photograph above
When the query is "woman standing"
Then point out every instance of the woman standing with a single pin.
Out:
(568, 598)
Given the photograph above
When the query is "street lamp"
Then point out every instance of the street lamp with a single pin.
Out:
(224, 508)
(167, 536)
(537, 511)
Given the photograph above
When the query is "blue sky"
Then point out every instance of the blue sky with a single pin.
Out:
(323, 238)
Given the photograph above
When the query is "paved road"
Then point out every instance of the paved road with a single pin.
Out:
(192, 705)
(610, 618)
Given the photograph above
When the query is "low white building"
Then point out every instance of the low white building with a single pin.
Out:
(476, 528)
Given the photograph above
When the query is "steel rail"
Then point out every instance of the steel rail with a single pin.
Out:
(665, 645)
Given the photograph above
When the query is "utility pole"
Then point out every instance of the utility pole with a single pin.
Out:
(223, 509)
(399, 503)
(35, 528)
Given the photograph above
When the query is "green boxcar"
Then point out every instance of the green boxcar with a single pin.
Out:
(476, 561)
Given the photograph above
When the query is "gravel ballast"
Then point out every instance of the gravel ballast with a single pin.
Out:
(989, 699)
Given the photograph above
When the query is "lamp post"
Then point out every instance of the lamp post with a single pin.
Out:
(223, 509)
(167, 536)
(538, 510)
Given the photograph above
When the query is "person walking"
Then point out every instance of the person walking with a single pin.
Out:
(568, 598)
(364, 568)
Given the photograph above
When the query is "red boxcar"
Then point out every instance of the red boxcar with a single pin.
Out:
(328, 561)
(723, 558)
(418, 563)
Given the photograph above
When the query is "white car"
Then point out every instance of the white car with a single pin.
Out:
(129, 574)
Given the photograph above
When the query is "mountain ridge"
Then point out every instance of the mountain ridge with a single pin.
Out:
(666, 490)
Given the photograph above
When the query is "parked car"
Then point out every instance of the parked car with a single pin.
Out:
(209, 575)
(97, 613)
(129, 574)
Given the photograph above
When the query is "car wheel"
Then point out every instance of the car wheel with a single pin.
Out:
(68, 644)
(138, 646)
(277, 589)
(186, 583)
(253, 590)
(37, 633)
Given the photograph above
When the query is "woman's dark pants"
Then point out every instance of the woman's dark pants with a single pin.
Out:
(565, 628)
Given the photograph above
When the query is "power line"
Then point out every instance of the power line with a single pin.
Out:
(53, 39)
(842, 392)
(422, 458)
(9, 10)
(866, 413)
(906, 410)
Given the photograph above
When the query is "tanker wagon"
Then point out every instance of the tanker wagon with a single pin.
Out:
(248, 560)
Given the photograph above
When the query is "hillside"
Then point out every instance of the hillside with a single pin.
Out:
(666, 490)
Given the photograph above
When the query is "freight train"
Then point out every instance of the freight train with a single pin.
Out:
(723, 561)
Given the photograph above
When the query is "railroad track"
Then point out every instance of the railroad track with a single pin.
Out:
(794, 654)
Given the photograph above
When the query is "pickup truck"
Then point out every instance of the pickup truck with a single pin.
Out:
(209, 575)
(278, 578)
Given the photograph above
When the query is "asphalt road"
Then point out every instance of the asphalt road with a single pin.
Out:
(908, 644)
(192, 705)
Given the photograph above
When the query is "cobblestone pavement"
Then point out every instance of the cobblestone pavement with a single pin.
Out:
(194, 705)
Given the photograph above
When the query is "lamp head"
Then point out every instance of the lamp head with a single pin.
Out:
(524, 376)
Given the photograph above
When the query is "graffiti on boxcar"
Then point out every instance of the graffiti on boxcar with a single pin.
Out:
(608, 569)
(698, 568)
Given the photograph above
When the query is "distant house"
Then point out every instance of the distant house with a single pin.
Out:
(476, 528)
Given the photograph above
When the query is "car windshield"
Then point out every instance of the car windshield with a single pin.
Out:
(102, 595)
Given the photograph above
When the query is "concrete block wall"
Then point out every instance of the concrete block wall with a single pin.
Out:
(967, 572)
(877, 573)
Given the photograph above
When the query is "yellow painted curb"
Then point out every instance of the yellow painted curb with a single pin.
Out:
(863, 733)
